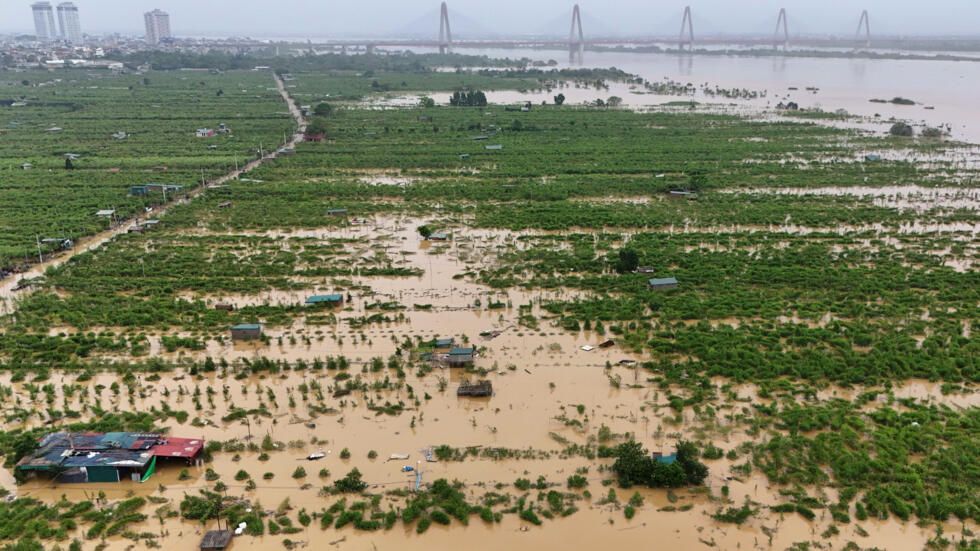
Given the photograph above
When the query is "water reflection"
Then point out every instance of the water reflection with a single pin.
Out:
(685, 64)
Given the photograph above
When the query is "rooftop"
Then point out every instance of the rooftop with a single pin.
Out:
(657, 281)
(324, 298)
(461, 351)
(247, 326)
(111, 449)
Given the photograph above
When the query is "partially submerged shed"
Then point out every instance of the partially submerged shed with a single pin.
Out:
(245, 331)
(459, 357)
(480, 388)
(444, 344)
(106, 457)
(438, 237)
(216, 539)
(328, 300)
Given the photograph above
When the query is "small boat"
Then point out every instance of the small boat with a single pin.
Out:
(408, 469)
(315, 456)
(398, 456)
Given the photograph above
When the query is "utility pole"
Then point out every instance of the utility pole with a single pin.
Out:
(37, 239)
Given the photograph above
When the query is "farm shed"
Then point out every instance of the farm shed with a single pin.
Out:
(644, 269)
(336, 212)
(329, 300)
(204, 132)
(313, 138)
(215, 539)
(663, 283)
(245, 331)
(164, 187)
(148, 224)
(224, 204)
(105, 213)
(481, 388)
(106, 457)
(872, 158)
(481, 137)
(666, 459)
(493, 147)
(444, 344)
(438, 237)
(226, 306)
(460, 357)
(680, 194)
(138, 190)
(27, 166)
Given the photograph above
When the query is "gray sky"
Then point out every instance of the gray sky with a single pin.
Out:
(321, 19)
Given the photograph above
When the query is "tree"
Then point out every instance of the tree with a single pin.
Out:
(425, 231)
(696, 180)
(632, 465)
(901, 129)
(614, 101)
(323, 109)
(24, 445)
(426, 102)
(560, 99)
(317, 126)
(628, 261)
(351, 483)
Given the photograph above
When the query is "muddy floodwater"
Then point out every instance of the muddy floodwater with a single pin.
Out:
(543, 378)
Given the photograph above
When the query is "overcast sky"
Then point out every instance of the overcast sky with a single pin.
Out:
(325, 18)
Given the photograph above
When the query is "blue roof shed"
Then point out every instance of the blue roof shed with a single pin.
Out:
(326, 299)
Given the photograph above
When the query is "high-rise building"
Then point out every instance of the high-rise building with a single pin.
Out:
(157, 26)
(71, 29)
(44, 21)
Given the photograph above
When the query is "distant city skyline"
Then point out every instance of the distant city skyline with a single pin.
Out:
(311, 18)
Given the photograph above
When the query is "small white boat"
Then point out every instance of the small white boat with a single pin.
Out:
(398, 456)
(315, 456)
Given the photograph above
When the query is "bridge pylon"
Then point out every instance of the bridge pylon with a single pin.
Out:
(445, 33)
(867, 30)
(686, 22)
(576, 41)
(781, 20)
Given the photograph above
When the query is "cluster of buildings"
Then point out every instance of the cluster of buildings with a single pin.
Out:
(69, 29)
(107, 457)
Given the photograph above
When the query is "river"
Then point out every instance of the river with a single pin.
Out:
(949, 87)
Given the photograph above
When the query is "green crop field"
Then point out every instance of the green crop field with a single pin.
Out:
(159, 113)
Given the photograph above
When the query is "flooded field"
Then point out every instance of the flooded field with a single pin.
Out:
(807, 343)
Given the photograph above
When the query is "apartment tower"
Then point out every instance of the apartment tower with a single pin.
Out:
(71, 29)
(157, 26)
(44, 27)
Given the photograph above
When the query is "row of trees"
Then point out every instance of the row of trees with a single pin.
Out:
(468, 99)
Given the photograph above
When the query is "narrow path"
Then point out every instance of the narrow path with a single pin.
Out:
(93, 242)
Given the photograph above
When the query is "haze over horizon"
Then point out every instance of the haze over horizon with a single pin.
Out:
(378, 18)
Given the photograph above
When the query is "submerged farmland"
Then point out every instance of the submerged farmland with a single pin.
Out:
(533, 344)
